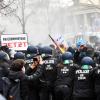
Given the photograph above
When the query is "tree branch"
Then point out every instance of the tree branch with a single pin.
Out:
(18, 19)
(5, 6)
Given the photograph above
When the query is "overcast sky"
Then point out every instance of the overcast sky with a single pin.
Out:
(37, 25)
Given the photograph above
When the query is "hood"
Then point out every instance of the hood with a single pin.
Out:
(16, 75)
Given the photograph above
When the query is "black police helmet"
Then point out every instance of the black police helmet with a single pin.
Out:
(67, 56)
(32, 50)
(45, 50)
(19, 55)
(3, 56)
(87, 61)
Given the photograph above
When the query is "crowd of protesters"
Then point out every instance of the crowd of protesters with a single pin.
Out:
(44, 73)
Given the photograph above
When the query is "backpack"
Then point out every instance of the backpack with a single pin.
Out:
(11, 89)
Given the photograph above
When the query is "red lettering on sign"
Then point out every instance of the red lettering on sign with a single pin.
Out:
(25, 44)
(20, 44)
(9, 45)
(15, 44)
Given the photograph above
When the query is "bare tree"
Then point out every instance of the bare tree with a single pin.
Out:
(23, 16)
(7, 6)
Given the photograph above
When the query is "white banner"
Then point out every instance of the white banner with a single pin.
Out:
(16, 42)
(60, 39)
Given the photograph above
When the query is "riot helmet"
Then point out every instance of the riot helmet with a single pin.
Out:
(66, 57)
(32, 50)
(45, 50)
(19, 55)
(87, 61)
(4, 56)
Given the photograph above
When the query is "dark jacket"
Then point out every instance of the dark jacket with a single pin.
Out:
(23, 83)
(83, 82)
(96, 75)
(36, 75)
(65, 75)
(46, 73)
(32, 84)
(4, 71)
(49, 74)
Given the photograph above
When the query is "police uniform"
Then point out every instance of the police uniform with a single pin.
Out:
(64, 82)
(97, 80)
(83, 83)
(47, 79)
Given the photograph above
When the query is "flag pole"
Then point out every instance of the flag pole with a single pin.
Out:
(61, 50)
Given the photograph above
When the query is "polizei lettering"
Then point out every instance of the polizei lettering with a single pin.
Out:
(49, 61)
(82, 71)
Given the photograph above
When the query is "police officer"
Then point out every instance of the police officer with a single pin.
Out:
(19, 55)
(31, 52)
(48, 75)
(32, 58)
(4, 68)
(97, 77)
(83, 88)
(65, 74)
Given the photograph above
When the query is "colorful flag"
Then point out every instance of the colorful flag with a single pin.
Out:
(57, 44)
(60, 39)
